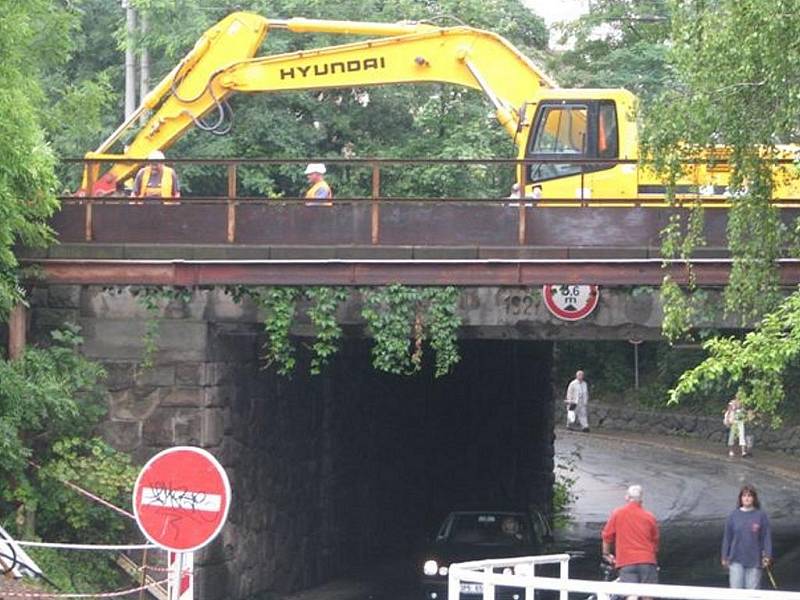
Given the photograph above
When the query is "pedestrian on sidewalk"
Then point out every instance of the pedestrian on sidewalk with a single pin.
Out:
(746, 542)
(577, 400)
(633, 531)
(734, 418)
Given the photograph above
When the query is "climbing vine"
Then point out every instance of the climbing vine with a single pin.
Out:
(153, 299)
(389, 312)
(322, 312)
(443, 323)
(277, 305)
(400, 318)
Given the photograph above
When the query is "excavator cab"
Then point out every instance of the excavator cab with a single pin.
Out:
(580, 142)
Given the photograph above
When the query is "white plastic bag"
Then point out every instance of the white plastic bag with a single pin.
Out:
(571, 416)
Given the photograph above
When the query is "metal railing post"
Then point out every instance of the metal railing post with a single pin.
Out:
(522, 219)
(453, 585)
(231, 221)
(563, 575)
(488, 586)
(530, 591)
(376, 209)
(92, 170)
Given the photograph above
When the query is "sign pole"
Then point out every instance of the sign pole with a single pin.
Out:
(181, 576)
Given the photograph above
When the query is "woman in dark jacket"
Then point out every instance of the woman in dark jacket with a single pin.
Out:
(747, 542)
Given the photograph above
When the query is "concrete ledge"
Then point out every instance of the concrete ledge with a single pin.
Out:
(375, 252)
(524, 252)
(302, 252)
(588, 252)
(91, 251)
(445, 252)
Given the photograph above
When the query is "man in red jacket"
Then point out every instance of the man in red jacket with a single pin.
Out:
(634, 533)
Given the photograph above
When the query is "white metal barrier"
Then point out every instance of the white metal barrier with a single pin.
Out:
(520, 573)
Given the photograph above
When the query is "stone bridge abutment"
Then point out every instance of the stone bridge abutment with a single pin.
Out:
(333, 471)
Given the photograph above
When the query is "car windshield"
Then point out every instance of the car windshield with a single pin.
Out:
(489, 528)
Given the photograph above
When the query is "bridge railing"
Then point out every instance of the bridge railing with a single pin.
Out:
(520, 573)
(372, 219)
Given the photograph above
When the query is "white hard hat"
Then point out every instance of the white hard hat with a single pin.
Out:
(315, 168)
(156, 155)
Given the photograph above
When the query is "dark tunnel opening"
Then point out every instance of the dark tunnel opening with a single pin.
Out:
(354, 466)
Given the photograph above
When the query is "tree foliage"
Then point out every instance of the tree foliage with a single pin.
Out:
(617, 43)
(736, 84)
(27, 180)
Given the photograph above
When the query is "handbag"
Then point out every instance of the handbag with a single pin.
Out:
(571, 416)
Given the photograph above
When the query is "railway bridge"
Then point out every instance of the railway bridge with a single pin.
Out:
(335, 470)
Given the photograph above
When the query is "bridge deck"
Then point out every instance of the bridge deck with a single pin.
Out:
(490, 242)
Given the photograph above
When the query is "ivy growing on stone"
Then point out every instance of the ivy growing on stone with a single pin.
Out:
(322, 312)
(277, 305)
(401, 318)
(153, 299)
(390, 312)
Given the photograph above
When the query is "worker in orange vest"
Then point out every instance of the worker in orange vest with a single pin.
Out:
(156, 180)
(319, 189)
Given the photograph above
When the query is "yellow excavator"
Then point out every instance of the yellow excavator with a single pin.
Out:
(548, 124)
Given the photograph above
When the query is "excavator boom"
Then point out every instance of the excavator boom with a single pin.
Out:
(222, 63)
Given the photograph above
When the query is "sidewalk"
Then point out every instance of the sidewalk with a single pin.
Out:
(776, 463)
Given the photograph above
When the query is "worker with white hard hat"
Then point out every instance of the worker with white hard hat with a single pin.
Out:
(156, 180)
(319, 188)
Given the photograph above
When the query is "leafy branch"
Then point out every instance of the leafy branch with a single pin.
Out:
(322, 312)
(756, 363)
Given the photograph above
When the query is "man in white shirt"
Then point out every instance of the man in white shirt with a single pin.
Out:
(578, 399)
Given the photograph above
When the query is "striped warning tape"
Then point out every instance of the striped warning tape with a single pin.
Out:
(116, 594)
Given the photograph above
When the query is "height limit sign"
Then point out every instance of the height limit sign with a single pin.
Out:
(181, 498)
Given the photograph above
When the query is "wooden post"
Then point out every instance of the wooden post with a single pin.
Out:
(231, 203)
(92, 170)
(376, 209)
(17, 331)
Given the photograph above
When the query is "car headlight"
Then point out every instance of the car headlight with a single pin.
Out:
(443, 570)
(430, 567)
(507, 571)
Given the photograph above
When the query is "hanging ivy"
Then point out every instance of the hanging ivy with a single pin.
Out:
(390, 312)
(153, 299)
(322, 312)
(277, 305)
(443, 322)
(400, 318)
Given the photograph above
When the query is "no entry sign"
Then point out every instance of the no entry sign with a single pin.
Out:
(181, 498)
(571, 302)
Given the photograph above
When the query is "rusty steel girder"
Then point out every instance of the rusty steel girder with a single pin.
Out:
(495, 272)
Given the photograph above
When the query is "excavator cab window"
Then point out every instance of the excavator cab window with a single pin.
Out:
(572, 130)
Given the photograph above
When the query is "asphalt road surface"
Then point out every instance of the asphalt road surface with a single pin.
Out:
(690, 487)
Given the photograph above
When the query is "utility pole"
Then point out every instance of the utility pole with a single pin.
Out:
(144, 59)
(130, 59)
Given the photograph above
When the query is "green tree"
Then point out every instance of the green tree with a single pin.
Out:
(27, 180)
(735, 67)
(617, 43)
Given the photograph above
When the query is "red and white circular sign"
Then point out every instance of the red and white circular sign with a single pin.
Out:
(571, 302)
(181, 498)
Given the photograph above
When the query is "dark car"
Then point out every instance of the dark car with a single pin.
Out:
(477, 535)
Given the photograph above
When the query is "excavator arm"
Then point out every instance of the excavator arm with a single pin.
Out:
(222, 63)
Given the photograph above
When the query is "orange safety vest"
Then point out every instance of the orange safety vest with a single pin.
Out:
(163, 190)
(312, 191)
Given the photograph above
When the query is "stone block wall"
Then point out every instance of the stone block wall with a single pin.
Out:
(328, 472)
(671, 422)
